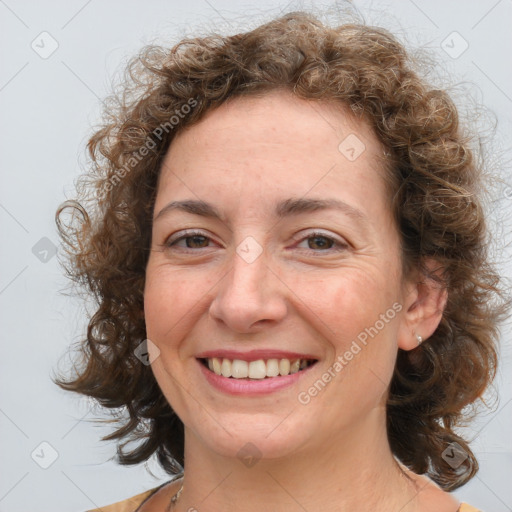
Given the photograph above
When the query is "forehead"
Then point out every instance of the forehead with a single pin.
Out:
(280, 118)
(277, 145)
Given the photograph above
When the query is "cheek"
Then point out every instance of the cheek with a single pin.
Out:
(345, 302)
(174, 301)
(357, 313)
(168, 297)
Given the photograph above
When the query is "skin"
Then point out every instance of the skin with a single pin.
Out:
(301, 294)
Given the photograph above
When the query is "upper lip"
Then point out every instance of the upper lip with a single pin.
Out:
(253, 355)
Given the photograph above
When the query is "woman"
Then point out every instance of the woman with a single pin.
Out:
(288, 251)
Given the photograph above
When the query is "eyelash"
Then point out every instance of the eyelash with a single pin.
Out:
(340, 246)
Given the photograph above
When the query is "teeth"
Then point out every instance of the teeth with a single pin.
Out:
(284, 366)
(216, 363)
(272, 368)
(257, 369)
(225, 368)
(239, 369)
(260, 369)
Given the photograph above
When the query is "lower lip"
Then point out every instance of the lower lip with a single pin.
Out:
(251, 387)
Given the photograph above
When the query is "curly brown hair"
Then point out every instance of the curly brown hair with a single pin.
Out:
(435, 182)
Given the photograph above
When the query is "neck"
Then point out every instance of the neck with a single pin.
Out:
(337, 474)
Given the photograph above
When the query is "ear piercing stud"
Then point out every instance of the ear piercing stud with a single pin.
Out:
(420, 339)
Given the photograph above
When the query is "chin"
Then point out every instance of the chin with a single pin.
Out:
(257, 436)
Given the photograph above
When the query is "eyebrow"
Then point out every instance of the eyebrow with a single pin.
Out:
(286, 208)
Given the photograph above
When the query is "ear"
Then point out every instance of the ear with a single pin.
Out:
(424, 303)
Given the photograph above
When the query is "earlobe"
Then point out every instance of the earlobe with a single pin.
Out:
(424, 308)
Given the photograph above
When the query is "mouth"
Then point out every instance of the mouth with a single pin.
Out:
(256, 370)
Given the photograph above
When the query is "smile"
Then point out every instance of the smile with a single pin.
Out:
(255, 370)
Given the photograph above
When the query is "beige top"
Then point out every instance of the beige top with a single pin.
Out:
(133, 504)
(128, 505)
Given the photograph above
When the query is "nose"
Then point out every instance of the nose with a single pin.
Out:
(249, 297)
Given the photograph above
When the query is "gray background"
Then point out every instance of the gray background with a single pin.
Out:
(49, 104)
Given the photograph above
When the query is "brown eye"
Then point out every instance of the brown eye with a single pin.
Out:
(195, 241)
(189, 240)
(320, 242)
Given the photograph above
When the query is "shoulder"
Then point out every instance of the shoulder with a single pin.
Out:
(436, 500)
(431, 498)
(127, 505)
(464, 507)
(135, 503)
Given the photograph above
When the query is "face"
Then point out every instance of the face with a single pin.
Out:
(295, 257)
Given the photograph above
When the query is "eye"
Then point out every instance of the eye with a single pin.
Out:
(320, 242)
(191, 239)
(316, 242)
